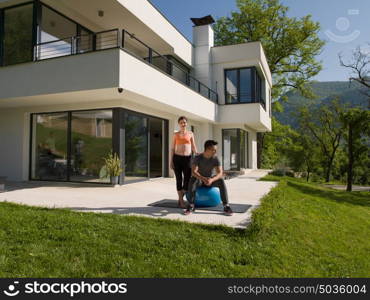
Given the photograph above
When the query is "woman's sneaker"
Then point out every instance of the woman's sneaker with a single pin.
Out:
(228, 211)
(190, 209)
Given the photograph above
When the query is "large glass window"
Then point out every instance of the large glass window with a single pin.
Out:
(55, 27)
(70, 146)
(49, 149)
(244, 85)
(17, 40)
(91, 141)
(55, 35)
(136, 147)
(235, 148)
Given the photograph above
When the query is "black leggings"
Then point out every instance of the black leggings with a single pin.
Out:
(182, 166)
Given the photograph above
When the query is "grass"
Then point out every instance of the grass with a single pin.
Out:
(300, 230)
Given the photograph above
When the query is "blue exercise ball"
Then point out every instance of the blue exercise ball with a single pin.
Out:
(206, 196)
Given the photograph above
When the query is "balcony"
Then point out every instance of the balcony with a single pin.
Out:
(114, 38)
(251, 114)
(98, 69)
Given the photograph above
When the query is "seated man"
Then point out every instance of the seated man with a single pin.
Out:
(202, 168)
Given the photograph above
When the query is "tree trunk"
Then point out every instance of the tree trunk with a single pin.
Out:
(350, 158)
(328, 170)
(308, 176)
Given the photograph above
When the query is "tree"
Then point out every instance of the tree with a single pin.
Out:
(323, 123)
(360, 69)
(277, 144)
(304, 155)
(357, 124)
(290, 44)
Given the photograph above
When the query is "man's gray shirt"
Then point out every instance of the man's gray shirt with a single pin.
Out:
(206, 165)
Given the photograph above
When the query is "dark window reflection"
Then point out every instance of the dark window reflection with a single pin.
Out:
(18, 34)
(49, 151)
(245, 86)
(91, 141)
(136, 147)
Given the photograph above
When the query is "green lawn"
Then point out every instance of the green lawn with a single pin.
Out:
(300, 230)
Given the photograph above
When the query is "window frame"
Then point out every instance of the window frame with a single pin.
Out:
(253, 86)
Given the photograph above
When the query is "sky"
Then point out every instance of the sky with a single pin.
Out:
(345, 25)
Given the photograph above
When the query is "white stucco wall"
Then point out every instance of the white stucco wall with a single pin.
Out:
(141, 78)
(13, 144)
(152, 18)
(252, 148)
(89, 71)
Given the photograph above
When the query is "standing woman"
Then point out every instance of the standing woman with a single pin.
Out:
(183, 145)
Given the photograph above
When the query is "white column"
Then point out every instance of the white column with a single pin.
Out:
(203, 39)
(252, 149)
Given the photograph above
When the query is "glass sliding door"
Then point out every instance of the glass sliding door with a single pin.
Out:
(136, 147)
(72, 145)
(235, 149)
(91, 141)
(17, 39)
(49, 149)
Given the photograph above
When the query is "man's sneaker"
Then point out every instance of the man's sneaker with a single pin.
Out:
(228, 211)
(190, 209)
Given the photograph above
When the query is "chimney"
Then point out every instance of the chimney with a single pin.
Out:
(203, 40)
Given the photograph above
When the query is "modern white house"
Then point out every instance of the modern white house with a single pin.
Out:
(80, 78)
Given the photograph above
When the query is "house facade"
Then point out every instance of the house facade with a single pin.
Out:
(80, 78)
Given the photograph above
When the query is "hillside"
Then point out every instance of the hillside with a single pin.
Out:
(346, 92)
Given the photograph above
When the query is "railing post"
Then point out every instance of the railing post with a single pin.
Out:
(198, 86)
(94, 42)
(209, 93)
(150, 58)
(187, 79)
(72, 44)
(36, 52)
(123, 38)
(169, 67)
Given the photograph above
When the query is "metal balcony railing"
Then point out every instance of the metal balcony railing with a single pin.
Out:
(77, 45)
(144, 52)
(114, 39)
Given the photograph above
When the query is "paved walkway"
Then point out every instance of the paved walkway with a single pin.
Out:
(134, 198)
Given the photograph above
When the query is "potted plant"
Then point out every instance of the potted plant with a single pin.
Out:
(113, 167)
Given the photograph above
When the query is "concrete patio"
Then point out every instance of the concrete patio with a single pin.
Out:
(133, 199)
